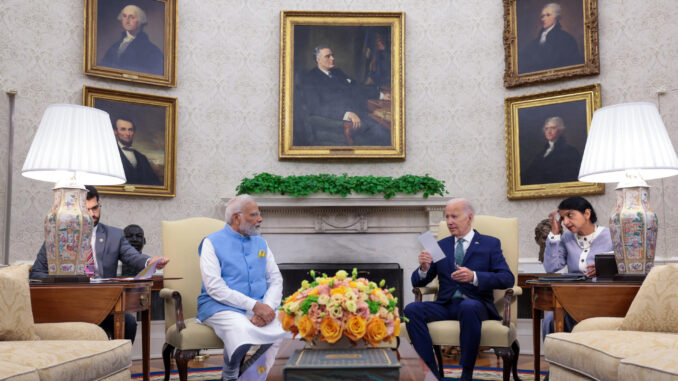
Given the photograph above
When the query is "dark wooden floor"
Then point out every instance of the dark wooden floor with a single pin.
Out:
(413, 369)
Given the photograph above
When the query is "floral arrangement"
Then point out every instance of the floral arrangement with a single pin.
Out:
(331, 307)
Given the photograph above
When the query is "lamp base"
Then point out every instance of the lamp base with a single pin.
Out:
(65, 279)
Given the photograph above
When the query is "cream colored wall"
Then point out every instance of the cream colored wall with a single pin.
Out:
(228, 102)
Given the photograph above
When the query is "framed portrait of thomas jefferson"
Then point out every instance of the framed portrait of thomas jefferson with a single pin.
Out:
(545, 138)
(546, 40)
(131, 41)
(145, 130)
(342, 85)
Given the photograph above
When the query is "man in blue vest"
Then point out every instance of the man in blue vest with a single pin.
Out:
(241, 285)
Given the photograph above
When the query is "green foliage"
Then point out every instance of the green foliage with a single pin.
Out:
(374, 306)
(300, 186)
(306, 304)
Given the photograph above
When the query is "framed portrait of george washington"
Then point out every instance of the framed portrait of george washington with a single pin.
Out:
(545, 138)
(145, 128)
(547, 40)
(342, 85)
(134, 42)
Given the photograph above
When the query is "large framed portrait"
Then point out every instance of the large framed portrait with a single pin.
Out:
(342, 85)
(545, 138)
(546, 40)
(134, 42)
(145, 128)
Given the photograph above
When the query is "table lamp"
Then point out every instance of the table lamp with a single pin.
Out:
(74, 145)
(628, 144)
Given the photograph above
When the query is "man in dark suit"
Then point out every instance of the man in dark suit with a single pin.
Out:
(109, 246)
(137, 168)
(474, 266)
(134, 51)
(553, 47)
(557, 162)
(330, 93)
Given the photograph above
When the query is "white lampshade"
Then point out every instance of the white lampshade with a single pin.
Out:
(75, 141)
(627, 138)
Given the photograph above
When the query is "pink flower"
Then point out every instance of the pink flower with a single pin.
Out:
(363, 309)
(323, 289)
(315, 312)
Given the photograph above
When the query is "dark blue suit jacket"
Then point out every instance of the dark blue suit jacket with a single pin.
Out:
(483, 256)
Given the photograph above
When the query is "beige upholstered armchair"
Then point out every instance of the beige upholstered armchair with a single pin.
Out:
(184, 336)
(643, 345)
(499, 335)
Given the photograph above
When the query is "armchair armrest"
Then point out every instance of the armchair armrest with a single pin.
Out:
(419, 292)
(509, 296)
(599, 324)
(173, 315)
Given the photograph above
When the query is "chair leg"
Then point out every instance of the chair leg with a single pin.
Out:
(439, 357)
(506, 354)
(516, 353)
(166, 358)
(182, 358)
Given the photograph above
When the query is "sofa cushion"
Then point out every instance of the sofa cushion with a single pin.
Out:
(16, 316)
(69, 359)
(597, 354)
(16, 372)
(655, 306)
(70, 331)
(653, 365)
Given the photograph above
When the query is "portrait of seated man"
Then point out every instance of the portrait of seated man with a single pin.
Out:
(332, 107)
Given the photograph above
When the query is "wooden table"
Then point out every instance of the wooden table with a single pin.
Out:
(92, 302)
(582, 300)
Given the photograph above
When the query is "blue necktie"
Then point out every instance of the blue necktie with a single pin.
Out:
(458, 259)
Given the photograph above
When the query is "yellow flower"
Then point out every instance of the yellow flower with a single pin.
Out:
(292, 297)
(306, 327)
(375, 331)
(294, 306)
(313, 292)
(330, 329)
(350, 305)
(341, 275)
(396, 328)
(323, 280)
(355, 327)
(339, 290)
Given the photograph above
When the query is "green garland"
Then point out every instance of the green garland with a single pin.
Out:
(296, 186)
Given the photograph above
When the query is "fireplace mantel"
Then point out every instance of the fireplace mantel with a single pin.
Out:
(351, 214)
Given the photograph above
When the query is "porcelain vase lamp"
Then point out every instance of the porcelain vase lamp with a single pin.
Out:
(628, 143)
(74, 145)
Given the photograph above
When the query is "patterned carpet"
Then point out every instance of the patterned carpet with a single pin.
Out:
(451, 373)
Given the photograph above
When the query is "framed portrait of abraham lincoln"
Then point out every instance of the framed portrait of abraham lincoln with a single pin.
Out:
(145, 130)
(547, 40)
(545, 138)
(342, 85)
(131, 41)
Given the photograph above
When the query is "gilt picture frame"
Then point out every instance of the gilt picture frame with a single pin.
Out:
(545, 138)
(145, 127)
(546, 41)
(342, 85)
(131, 42)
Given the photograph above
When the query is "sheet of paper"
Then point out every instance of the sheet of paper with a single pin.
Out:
(147, 272)
(431, 245)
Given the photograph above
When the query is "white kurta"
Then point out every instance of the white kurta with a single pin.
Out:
(235, 328)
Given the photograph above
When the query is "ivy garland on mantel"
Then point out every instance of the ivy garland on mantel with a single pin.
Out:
(300, 186)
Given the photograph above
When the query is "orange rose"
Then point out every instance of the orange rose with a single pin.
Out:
(355, 327)
(330, 329)
(306, 327)
(287, 321)
(375, 331)
(396, 328)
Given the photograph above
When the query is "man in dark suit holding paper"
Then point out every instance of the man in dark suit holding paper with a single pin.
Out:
(473, 267)
(109, 245)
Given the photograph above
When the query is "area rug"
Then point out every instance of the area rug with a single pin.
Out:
(453, 372)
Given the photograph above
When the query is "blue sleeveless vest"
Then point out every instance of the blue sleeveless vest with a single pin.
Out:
(243, 268)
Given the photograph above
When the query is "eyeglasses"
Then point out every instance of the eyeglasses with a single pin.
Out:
(255, 214)
(94, 208)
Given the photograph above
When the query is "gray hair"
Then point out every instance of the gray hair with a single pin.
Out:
(235, 206)
(466, 205)
(555, 7)
(140, 14)
(558, 121)
(318, 48)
